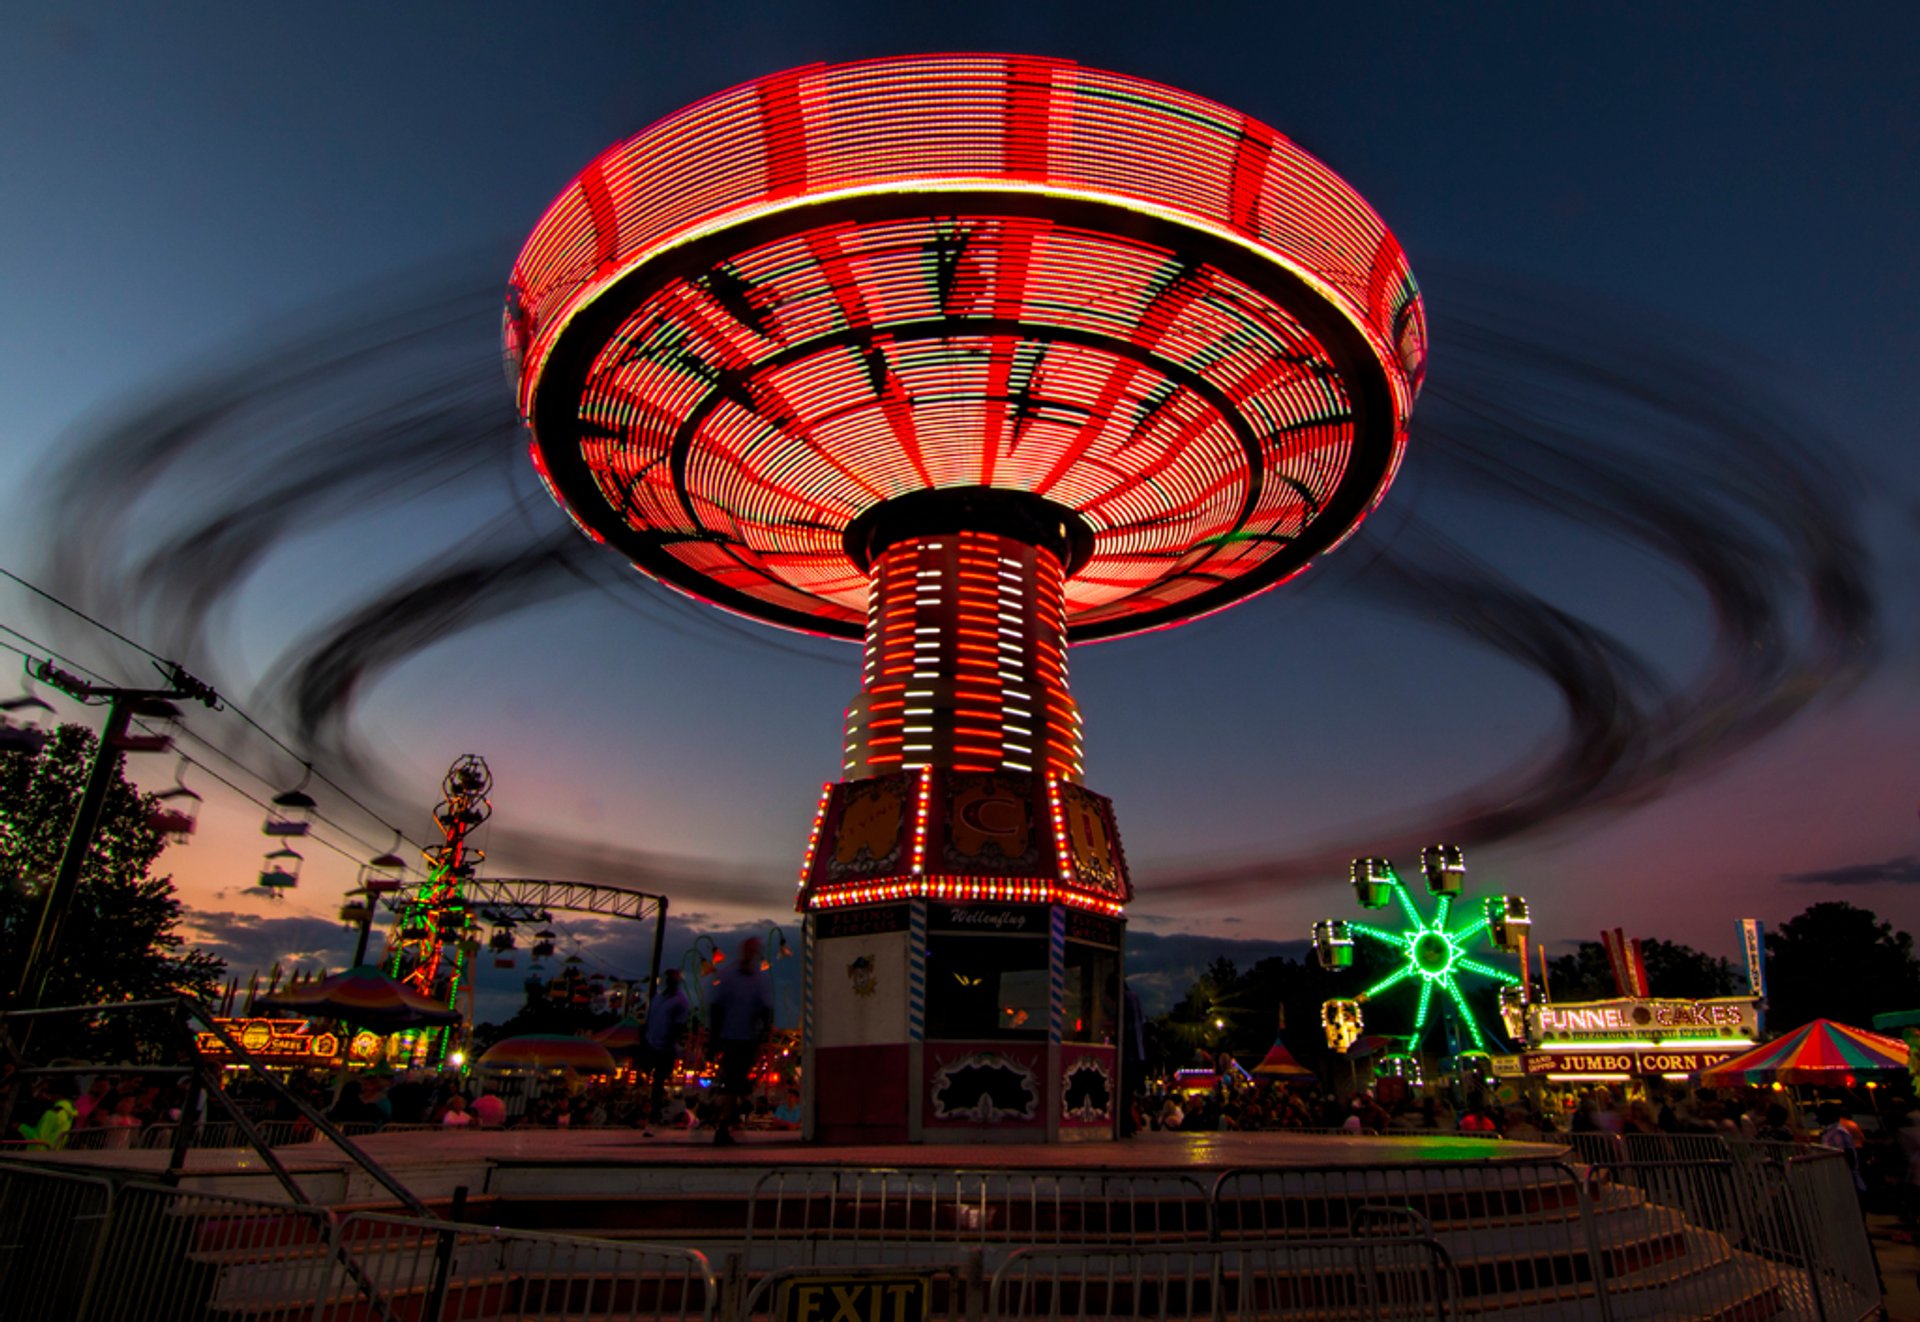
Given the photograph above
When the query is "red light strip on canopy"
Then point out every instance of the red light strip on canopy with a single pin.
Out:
(994, 890)
(778, 308)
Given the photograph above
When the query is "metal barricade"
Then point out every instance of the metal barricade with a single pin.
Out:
(52, 1226)
(104, 1138)
(173, 1255)
(217, 1134)
(1368, 1278)
(1594, 1146)
(1842, 1271)
(802, 1215)
(436, 1271)
(1517, 1232)
(1678, 1234)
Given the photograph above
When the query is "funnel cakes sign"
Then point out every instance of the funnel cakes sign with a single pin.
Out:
(1728, 1020)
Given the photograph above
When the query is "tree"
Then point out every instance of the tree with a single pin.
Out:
(1673, 969)
(1839, 961)
(121, 939)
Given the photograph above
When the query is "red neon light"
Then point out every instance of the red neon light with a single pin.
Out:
(912, 309)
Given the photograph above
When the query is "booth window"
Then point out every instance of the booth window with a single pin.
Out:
(1092, 1009)
(986, 987)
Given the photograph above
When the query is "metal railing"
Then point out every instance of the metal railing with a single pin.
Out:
(1518, 1233)
(52, 1226)
(1366, 1279)
(802, 1215)
(173, 1255)
(426, 1271)
(1769, 1227)
(1759, 1231)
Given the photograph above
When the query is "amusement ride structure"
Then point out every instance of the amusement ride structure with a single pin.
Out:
(967, 357)
(430, 945)
(1432, 951)
(434, 942)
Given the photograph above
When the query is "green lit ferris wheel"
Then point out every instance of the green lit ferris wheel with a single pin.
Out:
(1432, 950)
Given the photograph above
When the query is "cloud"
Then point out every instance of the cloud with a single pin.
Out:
(1903, 871)
(249, 941)
(1162, 967)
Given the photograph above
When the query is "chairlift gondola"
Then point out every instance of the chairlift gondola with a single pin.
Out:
(157, 718)
(175, 812)
(280, 871)
(290, 815)
(383, 873)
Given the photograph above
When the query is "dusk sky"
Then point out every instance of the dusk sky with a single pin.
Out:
(188, 187)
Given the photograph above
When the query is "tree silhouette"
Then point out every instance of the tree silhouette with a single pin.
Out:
(1673, 969)
(1839, 961)
(121, 939)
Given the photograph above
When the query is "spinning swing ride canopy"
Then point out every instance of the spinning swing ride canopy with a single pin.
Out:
(739, 332)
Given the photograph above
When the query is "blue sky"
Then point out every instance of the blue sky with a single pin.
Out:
(186, 183)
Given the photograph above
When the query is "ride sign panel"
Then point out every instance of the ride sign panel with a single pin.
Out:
(1632, 1021)
(855, 1299)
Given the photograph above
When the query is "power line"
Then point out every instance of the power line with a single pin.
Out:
(230, 705)
(48, 652)
(213, 747)
(265, 806)
(75, 610)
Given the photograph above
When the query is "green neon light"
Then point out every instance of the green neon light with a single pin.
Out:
(1444, 911)
(1432, 953)
(1460, 999)
(1387, 982)
(1486, 971)
(1406, 903)
(1391, 938)
(1426, 1000)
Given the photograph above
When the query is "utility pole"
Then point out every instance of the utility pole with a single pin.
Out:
(123, 705)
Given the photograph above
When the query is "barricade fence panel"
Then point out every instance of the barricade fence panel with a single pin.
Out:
(436, 1271)
(52, 1226)
(174, 1255)
(811, 1214)
(1366, 1279)
(1842, 1270)
(1680, 1235)
(1517, 1233)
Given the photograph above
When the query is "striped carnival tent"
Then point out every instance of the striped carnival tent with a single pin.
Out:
(1820, 1052)
(364, 996)
(540, 1052)
(1280, 1064)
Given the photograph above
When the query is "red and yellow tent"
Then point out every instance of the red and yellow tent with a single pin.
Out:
(1821, 1052)
(1280, 1064)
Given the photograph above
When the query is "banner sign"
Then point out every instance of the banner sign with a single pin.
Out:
(1643, 1060)
(274, 1042)
(989, 919)
(1754, 938)
(1654, 1020)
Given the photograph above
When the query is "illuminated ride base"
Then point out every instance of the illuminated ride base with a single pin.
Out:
(970, 357)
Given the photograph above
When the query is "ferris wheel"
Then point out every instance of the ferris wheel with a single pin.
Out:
(1431, 952)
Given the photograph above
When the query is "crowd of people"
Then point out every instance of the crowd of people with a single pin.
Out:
(1750, 1113)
